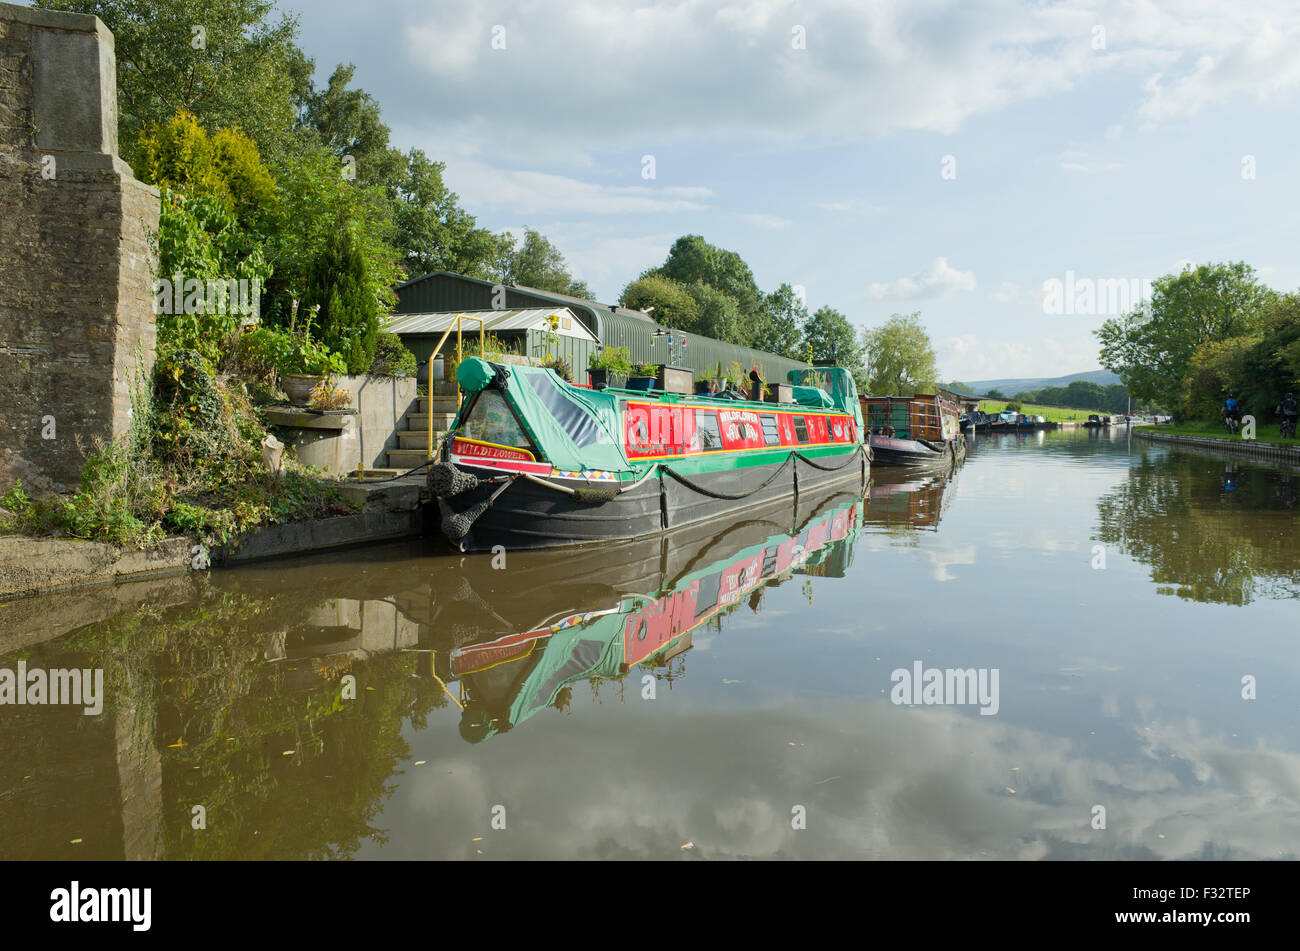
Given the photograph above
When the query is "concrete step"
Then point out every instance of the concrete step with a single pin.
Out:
(441, 404)
(444, 388)
(404, 459)
(415, 439)
(419, 422)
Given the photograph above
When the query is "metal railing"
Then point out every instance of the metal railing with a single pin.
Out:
(459, 354)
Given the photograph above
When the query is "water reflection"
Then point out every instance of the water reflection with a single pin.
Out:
(1211, 529)
(479, 682)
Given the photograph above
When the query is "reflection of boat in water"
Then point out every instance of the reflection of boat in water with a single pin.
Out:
(534, 462)
(507, 677)
(916, 503)
(924, 429)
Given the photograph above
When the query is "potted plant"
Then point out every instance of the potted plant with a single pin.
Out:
(560, 367)
(305, 364)
(643, 376)
(609, 366)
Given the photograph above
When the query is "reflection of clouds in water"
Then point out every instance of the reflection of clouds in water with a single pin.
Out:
(943, 554)
(877, 781)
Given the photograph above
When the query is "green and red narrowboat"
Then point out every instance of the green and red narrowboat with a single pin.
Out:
(533, 462)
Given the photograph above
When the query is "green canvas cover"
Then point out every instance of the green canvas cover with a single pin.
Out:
(835, 380)
(473, 374)
(575, 429)
(813, 396)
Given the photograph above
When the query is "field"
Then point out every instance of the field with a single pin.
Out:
(1053, 414)
(1267, 433)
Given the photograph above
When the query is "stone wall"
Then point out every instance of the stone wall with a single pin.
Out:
(76, 321)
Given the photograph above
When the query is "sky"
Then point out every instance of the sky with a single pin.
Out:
(951, 158)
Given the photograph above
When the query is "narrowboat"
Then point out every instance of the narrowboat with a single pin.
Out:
(534, 462)
(916, 430)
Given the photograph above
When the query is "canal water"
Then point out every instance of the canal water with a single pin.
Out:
(1075, 646)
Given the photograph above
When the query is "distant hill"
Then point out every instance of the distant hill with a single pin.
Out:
(1013, 386)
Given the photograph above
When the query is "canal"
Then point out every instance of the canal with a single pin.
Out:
(1075, 647)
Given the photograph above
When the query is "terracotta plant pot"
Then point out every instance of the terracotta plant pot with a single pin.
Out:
(298, 387)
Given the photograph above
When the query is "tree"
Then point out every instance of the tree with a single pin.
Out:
(433, 232)
(349, 318)
(348, 123)
(692, 261)
(780, 328)
(241, 70)
(1151, 348)
(668, 302)
(828, 335)
(719, 314)
(900, 357)
(538, 264)
(179, 155)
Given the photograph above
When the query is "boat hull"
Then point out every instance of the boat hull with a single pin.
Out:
(892, 451)
(527, 515)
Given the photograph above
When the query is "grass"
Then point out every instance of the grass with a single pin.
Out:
(1053, 414)
(1268, 433)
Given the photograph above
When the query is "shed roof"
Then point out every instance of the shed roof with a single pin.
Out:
(494, 321)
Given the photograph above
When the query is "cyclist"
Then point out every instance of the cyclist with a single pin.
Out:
(1288, 410)
(1232, 413)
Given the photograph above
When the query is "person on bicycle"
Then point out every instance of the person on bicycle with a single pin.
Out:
(1232, 411)
(1288, 410)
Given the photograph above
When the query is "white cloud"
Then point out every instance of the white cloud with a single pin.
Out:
(528, 192)
(697, 68)
(939, 279)
(768, 222)
(1082, 162)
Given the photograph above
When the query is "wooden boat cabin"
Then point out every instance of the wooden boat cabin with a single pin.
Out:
(907, 430)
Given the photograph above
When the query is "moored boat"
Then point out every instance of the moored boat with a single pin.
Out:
(916, 430)
(534, 462)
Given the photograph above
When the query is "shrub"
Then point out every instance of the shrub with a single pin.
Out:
(392, 358)
(645, 369)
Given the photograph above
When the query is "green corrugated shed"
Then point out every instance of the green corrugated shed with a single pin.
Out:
(612, 326)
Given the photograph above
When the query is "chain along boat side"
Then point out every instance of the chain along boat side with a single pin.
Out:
(534, 462)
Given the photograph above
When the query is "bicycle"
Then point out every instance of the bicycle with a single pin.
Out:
(1288, 426)
(1233, 424)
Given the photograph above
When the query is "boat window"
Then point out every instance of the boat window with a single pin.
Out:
(491, 420)
(577, 422)
(706, 426)
(800, 429)
(771, 432)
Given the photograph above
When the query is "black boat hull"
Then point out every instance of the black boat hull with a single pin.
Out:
(528, 515)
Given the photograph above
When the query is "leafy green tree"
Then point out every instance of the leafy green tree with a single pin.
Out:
(180, 155)
(349, 318)
(433, 231)
(348, 122)
(692, 260)
(668, 302)
(828, 335)
(900, 357)
(719, 314)
(243, 70)
(316, 204)
(781, 323)
(538, 264)
(1151, 348)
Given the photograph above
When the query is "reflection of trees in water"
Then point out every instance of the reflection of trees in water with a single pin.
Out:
(1211, 530)
(222, 716)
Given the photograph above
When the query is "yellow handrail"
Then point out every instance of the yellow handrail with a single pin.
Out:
(436, 350)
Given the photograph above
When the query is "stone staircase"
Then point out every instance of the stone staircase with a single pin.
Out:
(413, 440)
